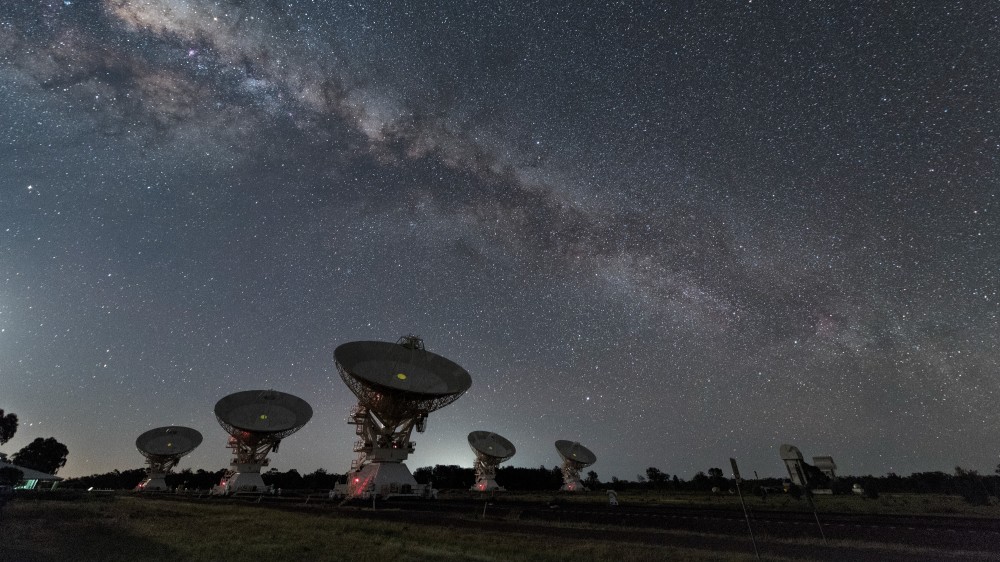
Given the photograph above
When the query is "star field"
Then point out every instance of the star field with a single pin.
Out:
(675, 232)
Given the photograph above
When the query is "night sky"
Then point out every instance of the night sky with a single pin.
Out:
(673, 231)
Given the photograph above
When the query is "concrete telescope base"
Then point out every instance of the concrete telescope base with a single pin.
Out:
(382, 479)
(154, 483)
(486, 485)
(245, 478)
(573, 486)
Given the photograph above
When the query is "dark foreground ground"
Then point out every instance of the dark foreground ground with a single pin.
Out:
(171, 527)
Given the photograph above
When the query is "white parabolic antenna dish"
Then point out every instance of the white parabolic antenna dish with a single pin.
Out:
(169, 441)
(270, 412)
(376, 369)
(572, 451)
(491, 445)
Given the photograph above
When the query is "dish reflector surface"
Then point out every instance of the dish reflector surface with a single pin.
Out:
(397, 368)
(171, 440)
(573, 451)
(491, 444)
(263, 411)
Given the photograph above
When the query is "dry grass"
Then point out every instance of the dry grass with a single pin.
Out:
(886, 504)
(136, 529)
(131, 528)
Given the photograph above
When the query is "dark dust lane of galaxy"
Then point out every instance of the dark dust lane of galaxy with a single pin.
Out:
(676, 233)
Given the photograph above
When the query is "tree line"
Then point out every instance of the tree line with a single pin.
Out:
(969, 484)
(200, 479)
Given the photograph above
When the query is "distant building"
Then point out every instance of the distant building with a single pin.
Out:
(30, 478)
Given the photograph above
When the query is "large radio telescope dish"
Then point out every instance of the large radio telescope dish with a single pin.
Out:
(491, 445)
(257, 421)
(163, 447)
(576, 453)
(491, 450)
(170, 441)
(396, 379)
(575, 458)
(264, 412)
(397, 385)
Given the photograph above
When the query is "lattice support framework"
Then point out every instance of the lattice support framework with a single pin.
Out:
(571, 475)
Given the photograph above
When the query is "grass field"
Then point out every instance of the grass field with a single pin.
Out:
(123, 527)
(897, 504)
(138, 529)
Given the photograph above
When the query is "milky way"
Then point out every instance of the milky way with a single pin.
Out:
(673, 232)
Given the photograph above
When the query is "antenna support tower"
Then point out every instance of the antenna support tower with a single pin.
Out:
(256, 421)
(575, 458)
(163, 448)
(397, 385)
(491, 450)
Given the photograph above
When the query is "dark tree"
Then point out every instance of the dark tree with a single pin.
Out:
(46, 455)
(656, 476)
(701, 482)
(290, 480)
(8, 427)
(321, 479)
(970, 486)
(452, 477)
(445, 477)
(717, 478)
(195, 480)
(592, 482)
(10, 476)
(520, 478)
(423, 475)
(114, 480)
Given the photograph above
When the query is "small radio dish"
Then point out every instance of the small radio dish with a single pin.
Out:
(163, 447)
(263, 411)
(257, 421)
(397, 385)
(575, 458)
(491, 450)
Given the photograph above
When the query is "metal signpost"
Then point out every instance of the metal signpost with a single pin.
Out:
(736, 475)
(812, 504)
